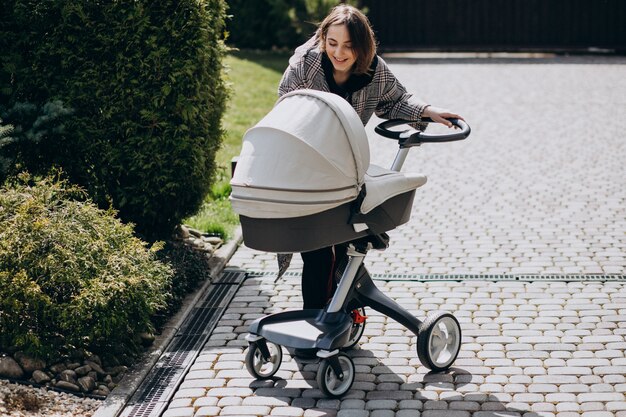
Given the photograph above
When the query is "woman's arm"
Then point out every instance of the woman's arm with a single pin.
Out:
(440, 115)
(396, 103)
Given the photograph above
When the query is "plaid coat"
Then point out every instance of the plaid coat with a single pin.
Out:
(384, 95)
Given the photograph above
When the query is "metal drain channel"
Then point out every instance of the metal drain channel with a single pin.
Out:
(470, 277)
(155, 393)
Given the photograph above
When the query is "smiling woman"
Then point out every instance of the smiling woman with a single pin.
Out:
(338, 47)
(341, 59)
(347, 31)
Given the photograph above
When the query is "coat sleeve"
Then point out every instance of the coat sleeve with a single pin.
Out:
(395, 102)
(293, 79)
(295, 76)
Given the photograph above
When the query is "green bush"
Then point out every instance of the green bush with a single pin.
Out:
(266, 24)
(144, 82)
(72, 276)
(263, 24)
(190, 269)
(5, 140)
(32, 138)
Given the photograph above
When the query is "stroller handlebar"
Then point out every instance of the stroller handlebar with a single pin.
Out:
(410, 137)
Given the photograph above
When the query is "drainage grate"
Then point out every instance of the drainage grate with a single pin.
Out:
(154, 394)
(233, 276)
(143, 410)
(499, 277)
(469, 277)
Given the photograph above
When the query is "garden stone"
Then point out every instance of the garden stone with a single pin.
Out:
(206, 249)
(68, 376)
(182, 232)
(86, 383)
(67, 386)
(105, 389)
(107, 379)
(192, 241)
(99, 392)
(40, 377)
(194, 232)
(9, 368)
(96, 367)
(58, 368)
(29, 364)
(73, 365)
(94, 375)
(83, 370)
(213, 240)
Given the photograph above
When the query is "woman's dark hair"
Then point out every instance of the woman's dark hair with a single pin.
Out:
(361, 34)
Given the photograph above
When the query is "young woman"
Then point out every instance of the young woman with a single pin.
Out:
(341, 59)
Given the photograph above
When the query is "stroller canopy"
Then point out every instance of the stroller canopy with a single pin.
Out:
(308, 155)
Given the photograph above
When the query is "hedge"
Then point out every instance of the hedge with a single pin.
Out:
(267, 24)
(143, 81)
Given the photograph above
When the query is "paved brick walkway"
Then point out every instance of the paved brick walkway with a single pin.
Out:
(538, 188)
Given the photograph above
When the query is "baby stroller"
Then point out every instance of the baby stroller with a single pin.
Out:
(303, 181)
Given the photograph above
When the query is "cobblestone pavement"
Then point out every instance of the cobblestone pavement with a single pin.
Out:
(538, 188)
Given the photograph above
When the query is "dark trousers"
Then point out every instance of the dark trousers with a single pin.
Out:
(318, 274)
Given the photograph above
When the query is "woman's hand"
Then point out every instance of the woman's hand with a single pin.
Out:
(439, 115)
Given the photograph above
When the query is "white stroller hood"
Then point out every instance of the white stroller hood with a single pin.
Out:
(308, 155)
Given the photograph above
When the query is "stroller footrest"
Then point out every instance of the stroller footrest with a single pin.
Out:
(303, 329)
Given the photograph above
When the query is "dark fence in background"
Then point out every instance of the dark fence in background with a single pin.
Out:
(499, 25)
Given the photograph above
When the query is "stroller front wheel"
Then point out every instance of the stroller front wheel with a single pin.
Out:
(439, 341)
(330, 382)
(261, 366)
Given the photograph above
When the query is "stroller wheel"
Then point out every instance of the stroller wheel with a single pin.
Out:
(332, 384)
(358, 327)
(260, 367)
(439, 341)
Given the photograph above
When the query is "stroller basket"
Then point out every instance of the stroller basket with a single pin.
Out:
(330, 227)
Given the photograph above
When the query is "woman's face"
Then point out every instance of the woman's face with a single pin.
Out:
(339, 48)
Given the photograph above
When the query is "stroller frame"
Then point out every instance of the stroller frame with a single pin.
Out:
(336, 327)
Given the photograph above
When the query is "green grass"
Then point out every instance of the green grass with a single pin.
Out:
(253, 78)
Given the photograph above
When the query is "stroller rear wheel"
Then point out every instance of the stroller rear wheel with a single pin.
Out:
(358, 327)
(261, 366)
(439, 341)
(334, 384)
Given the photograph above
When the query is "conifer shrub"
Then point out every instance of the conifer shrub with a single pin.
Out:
(284, 23)
(143, 80)
(277, 28)
(72, 276)
(33, 140)
(190, 270)
(5, 140)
